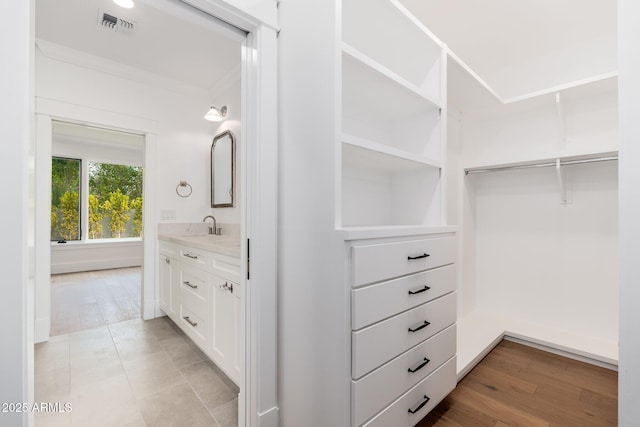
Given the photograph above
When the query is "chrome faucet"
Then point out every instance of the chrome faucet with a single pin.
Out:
(212, 230)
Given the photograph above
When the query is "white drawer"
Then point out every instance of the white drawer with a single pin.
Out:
(376, 302)
(195, 290)
(404, 411)
(168, 248)
(379, 388)
(374, 263)
(376, 344)
(195, 257)
(196, 327)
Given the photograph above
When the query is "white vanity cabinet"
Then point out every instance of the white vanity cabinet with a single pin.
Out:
(226, 323)
(200, 291)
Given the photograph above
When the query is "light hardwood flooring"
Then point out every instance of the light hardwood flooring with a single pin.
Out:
(516, 385)
(95, 298)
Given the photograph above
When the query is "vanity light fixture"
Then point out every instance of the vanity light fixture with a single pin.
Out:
(216, 115)
(127, 4)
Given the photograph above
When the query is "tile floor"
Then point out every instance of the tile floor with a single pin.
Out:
(117, 370)
(94, 298)
(132, 373)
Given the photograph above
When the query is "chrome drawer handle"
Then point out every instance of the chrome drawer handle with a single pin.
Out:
(194, 324)
(417, 257)
(191, 256)
(420, 366)
(190, 285)
(424, 325)
(421, 405)
(426, 288)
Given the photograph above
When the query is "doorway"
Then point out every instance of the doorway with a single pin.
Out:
(96, 226)
(112, 90)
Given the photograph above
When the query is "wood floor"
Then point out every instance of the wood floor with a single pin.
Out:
(516, 385)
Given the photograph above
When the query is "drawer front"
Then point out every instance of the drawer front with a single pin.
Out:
(385, 384)
(376, 344)
(374, 263)
(410, 408)
(195, 257)
(168, 248)
(376, 302)
(195, 291)
(196, 327)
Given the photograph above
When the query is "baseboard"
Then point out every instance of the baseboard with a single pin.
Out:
(561, 352)
(269, 418)
(73, 267)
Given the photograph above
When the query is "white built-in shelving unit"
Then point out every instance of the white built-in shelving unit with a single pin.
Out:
(393, 121)
(392, 145)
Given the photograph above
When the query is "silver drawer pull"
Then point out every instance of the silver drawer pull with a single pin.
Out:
(186, 282)
(426, 288)
(194, 324)
(423, 325)
(420, 366)
(191, 256)
(421, 405)
(417, 257)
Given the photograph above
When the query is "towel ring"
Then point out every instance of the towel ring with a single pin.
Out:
(184, 193)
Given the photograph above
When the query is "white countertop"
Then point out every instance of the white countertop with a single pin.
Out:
(225, 245)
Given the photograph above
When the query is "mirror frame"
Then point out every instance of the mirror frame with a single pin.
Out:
(233, 170)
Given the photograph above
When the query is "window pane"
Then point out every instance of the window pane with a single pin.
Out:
(65, 199)
(115, 201)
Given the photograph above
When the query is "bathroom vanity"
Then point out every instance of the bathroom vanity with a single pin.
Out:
(200, 291)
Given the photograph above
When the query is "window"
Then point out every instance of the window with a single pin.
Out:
(112, 205)
(115, 201)
(65, 199)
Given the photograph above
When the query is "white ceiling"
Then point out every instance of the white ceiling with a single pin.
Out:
(199, 52)
(523, 46)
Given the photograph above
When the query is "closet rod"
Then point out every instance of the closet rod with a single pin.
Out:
(542, 165)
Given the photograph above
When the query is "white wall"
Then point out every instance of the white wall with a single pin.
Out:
(313, 324)
(72, 256)
(527, 256)
(629, 368)
(16, 318)
(184, 137)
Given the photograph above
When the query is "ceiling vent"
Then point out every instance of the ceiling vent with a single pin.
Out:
(115, 23)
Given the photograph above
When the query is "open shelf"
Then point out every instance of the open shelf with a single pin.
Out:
(384, 156)
(408, 51)
(354, 54)
(378, 108)
(383, 190)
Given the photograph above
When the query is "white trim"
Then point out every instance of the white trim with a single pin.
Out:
(44, 136)
(48, 110)
(558, 88)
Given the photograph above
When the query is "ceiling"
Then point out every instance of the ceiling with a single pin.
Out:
(523, 46)
(516, 47)
(194, 49)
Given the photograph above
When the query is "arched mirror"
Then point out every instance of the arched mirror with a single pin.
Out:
(223, 166)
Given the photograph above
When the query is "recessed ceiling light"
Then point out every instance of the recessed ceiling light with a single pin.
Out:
(127, 4)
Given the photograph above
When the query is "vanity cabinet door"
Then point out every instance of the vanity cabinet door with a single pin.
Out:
(224, 328)
(168, 285)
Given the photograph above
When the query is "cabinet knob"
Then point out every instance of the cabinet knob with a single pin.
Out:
(167, 260)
